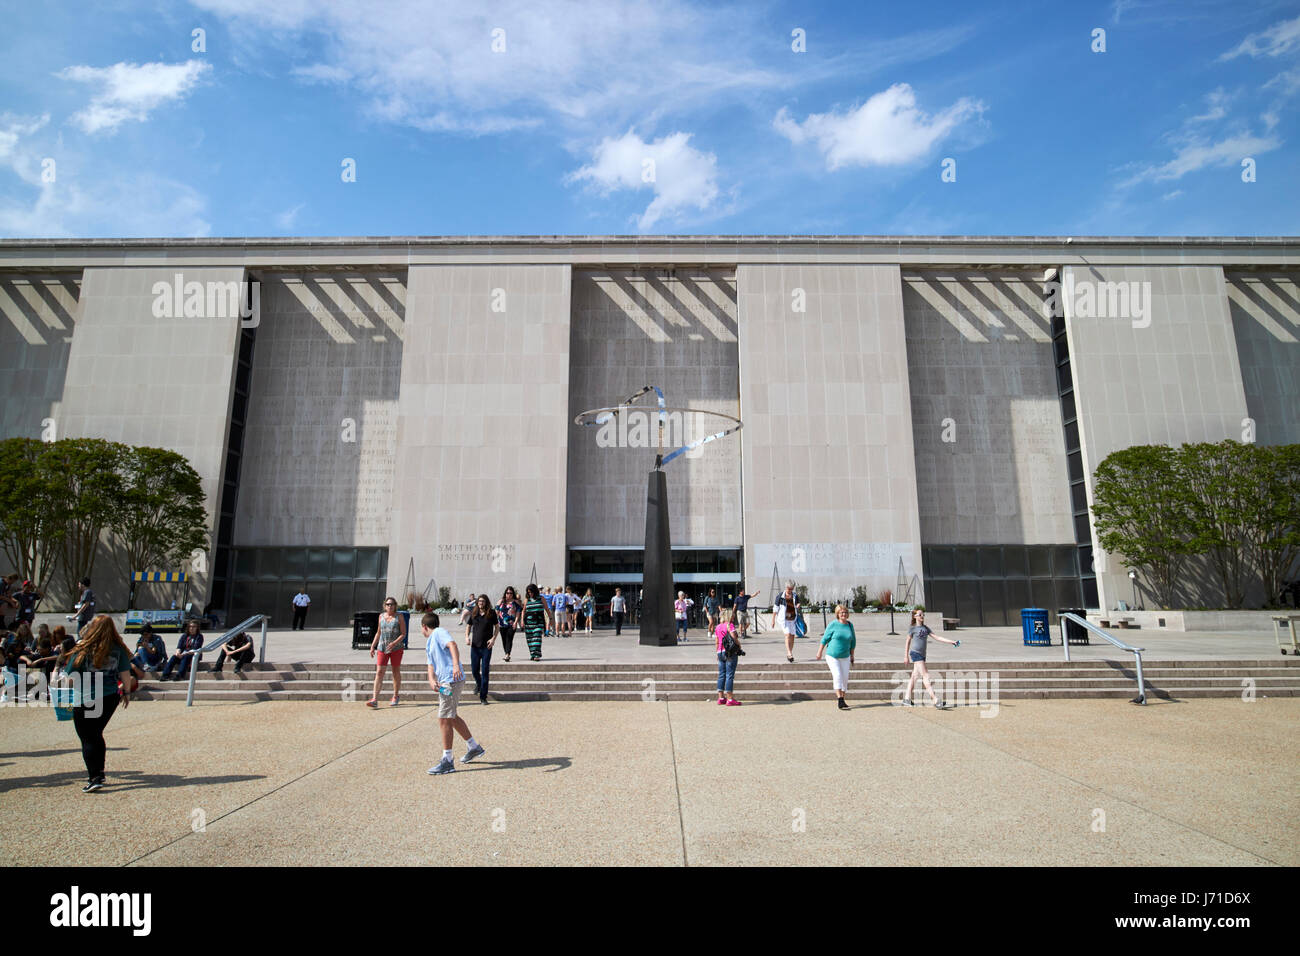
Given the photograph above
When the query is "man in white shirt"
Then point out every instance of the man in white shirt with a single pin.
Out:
(300, 604)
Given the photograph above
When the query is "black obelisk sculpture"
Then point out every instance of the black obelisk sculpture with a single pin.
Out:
(657, 624)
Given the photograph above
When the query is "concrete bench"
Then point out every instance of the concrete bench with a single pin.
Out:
(950, 623)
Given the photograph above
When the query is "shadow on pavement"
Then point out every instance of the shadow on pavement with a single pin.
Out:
(49, 753)
(555, 763)
(122, 780)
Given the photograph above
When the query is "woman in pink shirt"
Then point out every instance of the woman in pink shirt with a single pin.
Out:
(729, 651)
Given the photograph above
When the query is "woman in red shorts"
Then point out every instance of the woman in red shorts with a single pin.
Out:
(389, 636)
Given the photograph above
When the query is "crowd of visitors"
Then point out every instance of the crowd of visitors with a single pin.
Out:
(105, 673)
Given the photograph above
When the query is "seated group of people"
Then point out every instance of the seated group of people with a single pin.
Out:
(38, 650)
(44, 649)
(151, 653)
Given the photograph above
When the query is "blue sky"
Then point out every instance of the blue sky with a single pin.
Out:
(542, 117)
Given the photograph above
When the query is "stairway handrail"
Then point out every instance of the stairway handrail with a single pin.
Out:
(1141, 698)
(225, 638)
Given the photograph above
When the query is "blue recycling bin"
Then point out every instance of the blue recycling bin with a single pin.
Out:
(406, 641)
(1033, 621)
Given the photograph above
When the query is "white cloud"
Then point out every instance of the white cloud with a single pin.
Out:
(1194, 156)
(581, 64)
(13, 129)
(1279, 39)
(680, 175)
(289, 217)
(141, 206)
(1172, 195)
(105, 204)
(129, 91)
(1217, 101)
(886, 130)
(321, 73)
(1285, 83)
(583, 67)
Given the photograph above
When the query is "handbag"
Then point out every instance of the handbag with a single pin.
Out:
(65, 698)
(800, 625)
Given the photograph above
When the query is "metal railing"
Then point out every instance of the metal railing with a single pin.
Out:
(263, 619)
(1141, 698)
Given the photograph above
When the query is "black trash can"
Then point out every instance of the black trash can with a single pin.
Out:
(1074, 633)
(364, 626)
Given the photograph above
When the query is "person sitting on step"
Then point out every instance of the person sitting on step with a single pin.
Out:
(240, 650)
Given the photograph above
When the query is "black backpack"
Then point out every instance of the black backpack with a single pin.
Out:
(729, 645)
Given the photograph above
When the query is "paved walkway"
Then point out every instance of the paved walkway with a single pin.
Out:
(978, 644)
(1078, 782)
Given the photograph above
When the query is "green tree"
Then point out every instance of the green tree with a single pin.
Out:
(88, 493)
(161, 520)
(1275, 531)
(1142, 508)
(1224, 506)
(30, 529)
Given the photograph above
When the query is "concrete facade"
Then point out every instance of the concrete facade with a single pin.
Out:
(482, 428)
(1265, 309)
(144, 379)
(321, 434)
(676, 331)
(830, 473)
(417, 395)
(986, 418)
(1168, 377)
(35, 340)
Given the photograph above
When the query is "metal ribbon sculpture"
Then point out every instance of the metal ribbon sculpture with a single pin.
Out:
(599, 416)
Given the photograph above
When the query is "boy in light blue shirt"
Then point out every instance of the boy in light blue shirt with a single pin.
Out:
(447, 678)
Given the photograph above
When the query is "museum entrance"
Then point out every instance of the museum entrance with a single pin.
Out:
(695, 570)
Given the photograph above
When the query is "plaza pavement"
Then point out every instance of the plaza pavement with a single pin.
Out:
(1196, 782)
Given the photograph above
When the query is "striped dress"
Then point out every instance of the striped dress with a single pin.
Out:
(535, 626)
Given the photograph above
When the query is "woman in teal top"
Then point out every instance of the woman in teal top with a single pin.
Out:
(97, 665)
(838, 643)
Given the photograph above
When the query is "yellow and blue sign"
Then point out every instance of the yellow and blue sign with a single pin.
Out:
(165, 577)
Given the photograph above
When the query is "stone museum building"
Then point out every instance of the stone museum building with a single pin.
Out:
(374, 416)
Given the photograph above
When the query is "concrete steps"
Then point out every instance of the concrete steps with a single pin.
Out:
(959, 682)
